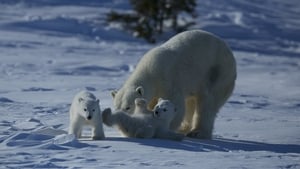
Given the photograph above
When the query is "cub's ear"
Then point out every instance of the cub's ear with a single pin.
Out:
(80, 99)
(160, 99)
(113, 93)
(140, 90)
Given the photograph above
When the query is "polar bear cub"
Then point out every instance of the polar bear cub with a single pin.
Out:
(85, 110)
(144, 123)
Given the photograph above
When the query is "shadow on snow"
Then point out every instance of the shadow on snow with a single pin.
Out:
(218, 144)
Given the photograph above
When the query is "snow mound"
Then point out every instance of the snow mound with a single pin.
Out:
(5, 100)
(68, 140)
(37, 89)
(44, 138)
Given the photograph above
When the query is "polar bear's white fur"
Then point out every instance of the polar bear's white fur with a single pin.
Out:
(144, 123)
(85, 110)
(195, 70)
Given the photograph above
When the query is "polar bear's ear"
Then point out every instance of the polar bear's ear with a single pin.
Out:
(113, 93)
(160, 99)
(140, 90)
(80, 99)
(98, 101)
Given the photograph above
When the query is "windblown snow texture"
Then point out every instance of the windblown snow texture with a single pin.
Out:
(50, 50)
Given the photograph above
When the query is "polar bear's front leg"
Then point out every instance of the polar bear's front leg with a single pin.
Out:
(179, 103)
(186, 125)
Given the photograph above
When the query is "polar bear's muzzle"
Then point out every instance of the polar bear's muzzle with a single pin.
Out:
(89, 117)
(156, 114)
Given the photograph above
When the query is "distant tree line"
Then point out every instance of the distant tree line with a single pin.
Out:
(152, 17)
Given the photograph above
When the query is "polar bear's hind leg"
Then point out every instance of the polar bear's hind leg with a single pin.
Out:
(219, 89)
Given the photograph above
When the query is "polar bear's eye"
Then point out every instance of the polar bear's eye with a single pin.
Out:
(93, 110)
(84, 109)
(164, 110)
(127, 108)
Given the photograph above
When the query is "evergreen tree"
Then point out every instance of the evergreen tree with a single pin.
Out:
(150, 17)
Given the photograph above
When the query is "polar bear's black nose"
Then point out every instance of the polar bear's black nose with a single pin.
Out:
(156, 113)
(89, 117)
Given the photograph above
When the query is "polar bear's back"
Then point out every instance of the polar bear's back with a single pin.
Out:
(196, 46)
(188, 55)
(192, 38)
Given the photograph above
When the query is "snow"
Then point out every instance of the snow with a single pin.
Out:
(50, 50)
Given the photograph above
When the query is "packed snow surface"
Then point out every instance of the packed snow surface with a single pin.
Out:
(52, 49)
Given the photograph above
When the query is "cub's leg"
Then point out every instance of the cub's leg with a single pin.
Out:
(97, 131)
(97, 134)
(146, 131)
(75, 128)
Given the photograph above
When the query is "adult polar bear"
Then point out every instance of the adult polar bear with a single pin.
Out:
(195, 70)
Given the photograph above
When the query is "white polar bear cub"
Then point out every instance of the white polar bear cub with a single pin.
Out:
(195, 70)
(144, 123)
(85, 110)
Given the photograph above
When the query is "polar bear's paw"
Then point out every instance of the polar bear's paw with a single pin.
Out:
(107, 117)
(199, 134)
(176, 136)
(98, 138)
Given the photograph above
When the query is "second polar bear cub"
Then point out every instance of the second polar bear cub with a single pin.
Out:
(85, 110)
(144, 123)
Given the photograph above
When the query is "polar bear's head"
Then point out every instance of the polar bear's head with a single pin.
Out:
(124, 99)
(164, 109)
(88, 108)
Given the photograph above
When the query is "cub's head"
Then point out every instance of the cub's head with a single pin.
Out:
(164, 109)
(88, 108)
(124, 99)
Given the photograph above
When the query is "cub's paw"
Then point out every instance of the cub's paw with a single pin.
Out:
(107, 117)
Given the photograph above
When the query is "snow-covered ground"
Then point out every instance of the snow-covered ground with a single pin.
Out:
(51, 49)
